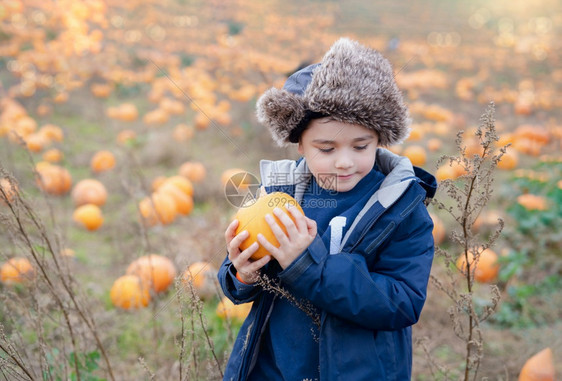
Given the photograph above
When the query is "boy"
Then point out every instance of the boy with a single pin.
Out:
(361, 254)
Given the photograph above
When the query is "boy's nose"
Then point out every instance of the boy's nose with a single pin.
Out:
(343, 162)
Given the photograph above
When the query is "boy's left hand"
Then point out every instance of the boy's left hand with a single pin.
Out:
(300, 235)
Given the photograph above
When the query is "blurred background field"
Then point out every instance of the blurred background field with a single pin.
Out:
(168, 89)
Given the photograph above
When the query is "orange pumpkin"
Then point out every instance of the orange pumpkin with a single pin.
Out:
(459, 168)
(532, 202)
(89, 191)
(60, 97)
(487, 267)
(88, 216)
(416, 154)
(183, 201)
(129, 291)
(223, 118)
(24, 126)
(434, 144)
(509, 160)
(193, 171)
(416, 133)
(439, 231)
(157, 271)
(35, 142)
(505, 139)
(450, 171)
(112, 112)
(157, 116)
(203, 276)
(102, 161)
(44, 110)
(539, 134)
(183, 132)
(172, 106)
(445, 172)
(523, 107)
(51, 133)
(228, 310)
(182, 183)
(437, 113)
(53, 155)
(473, 148)
(244, 94)
(252, 219)
(126, 112)
(8, 191)
(101, 90)
(441, 128)
(158, 208)
(201, 121)
(539, 367)
(126, 136)
(527, 146)
(242, 177)
(16, 270)
(53, 179)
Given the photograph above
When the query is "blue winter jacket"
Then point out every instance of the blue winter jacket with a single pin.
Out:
(370, 293)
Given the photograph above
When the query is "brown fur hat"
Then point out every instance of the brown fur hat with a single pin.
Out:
(352, 84)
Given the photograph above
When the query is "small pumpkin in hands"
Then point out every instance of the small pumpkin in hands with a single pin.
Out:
(252, 218)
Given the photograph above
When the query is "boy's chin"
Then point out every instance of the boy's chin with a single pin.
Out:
(344, 188)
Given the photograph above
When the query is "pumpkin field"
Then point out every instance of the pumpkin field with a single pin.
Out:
(123, 124)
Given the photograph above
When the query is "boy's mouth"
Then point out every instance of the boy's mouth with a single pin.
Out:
(345, 177)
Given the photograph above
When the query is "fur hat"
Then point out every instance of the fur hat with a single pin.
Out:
(352, 84)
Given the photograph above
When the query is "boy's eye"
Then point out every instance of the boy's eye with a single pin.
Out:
(360, 148)
(326, 150)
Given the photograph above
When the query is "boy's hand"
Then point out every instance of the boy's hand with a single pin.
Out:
(247, 269)
(300, 235)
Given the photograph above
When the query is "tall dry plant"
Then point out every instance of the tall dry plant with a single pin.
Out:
(48, 327)
(66, 342)
(197, 356)
(463, 199)
(190, 343)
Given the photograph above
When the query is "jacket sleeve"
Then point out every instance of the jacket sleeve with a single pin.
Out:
(390, 296)
(233, 289)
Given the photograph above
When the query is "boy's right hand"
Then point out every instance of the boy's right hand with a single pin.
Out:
(248, 270)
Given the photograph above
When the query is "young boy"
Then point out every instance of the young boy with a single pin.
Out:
(359, 258)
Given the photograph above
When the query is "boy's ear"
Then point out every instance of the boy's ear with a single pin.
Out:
(299, 148)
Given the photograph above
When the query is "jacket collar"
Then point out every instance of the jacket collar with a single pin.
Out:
(286, 172)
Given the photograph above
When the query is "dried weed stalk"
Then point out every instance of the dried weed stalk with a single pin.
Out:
(191, 314)
(146, 368)
(464, 199)
(304, 305)
(51, 303)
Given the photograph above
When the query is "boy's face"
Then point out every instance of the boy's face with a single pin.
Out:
(338, 154)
